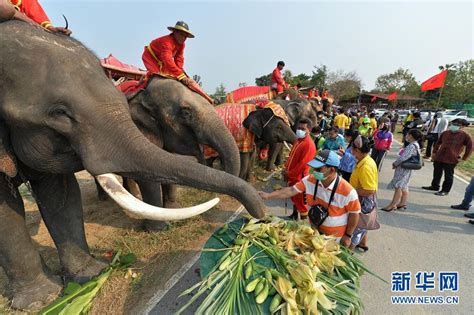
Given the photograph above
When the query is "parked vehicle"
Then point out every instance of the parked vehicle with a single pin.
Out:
(450, 115)
(402, 114)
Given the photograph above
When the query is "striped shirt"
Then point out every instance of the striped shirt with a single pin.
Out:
(345, 201)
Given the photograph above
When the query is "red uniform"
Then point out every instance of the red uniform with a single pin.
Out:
(164, 56)
(278, 82)
(33, 10)
(302, 152)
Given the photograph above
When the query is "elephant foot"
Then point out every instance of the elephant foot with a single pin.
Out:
(85, 269)
(36, 294)
(154, 226)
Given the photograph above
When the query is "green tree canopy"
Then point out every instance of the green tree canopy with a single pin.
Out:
(401, 81)
(220, 94)
(264, 80)
(459, 85)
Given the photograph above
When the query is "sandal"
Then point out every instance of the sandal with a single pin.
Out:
(363, 248)
(404, 207)
(388, 209)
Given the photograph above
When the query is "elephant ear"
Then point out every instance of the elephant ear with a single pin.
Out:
(7, 161)
(253, 122)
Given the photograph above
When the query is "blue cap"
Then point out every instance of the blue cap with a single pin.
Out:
(325, 157)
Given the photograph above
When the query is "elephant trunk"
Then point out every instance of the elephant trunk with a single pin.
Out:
(216, 136)
(152, 163)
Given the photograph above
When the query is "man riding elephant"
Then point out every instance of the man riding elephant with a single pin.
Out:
(29, 11)
(165, 55)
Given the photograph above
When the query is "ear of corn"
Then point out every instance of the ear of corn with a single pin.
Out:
(277, 266)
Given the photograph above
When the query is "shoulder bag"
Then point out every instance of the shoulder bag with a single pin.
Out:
(317, 213)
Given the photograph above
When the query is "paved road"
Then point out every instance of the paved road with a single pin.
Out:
(429, 236)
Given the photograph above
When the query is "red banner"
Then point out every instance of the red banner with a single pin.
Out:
(435, 82)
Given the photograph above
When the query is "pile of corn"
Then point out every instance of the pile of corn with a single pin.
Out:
(278, 266)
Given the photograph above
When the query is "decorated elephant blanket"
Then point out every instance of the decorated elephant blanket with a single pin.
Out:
(249, 94)
(233, 116)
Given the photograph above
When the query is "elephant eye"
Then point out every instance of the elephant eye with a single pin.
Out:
(59, 111)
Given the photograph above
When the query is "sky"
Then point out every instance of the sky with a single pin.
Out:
(237, 41)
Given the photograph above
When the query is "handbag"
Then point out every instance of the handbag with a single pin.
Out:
(413, 163)
(317, 214)
(368, 221)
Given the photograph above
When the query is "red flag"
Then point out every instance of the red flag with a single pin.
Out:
(373, 99)
(434, 82)
(392, 96)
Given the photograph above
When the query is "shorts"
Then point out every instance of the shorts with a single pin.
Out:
(357, 236)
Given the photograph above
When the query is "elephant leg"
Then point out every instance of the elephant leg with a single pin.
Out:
(244, 165)
(101, 194)
(152, 194)
(251, 166)
(272, 162)
(131, 186)
(170, 196)
(61, 208)
(279, 156)
(30, 286)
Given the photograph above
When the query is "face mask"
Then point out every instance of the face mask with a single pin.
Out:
(318, 175)
(454, 128)
(300, 134)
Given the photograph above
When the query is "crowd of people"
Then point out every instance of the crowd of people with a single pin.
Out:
(336, 189)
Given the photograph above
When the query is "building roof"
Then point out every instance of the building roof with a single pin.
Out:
(400, 97)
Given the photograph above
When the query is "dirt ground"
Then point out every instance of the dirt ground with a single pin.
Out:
(159, 254)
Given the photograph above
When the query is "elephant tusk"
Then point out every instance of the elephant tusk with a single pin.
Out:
(140, 210)
(287, 145)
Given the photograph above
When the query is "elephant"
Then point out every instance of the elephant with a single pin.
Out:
(250, 126)
(295, 110)
(60, 115)
(179, 121)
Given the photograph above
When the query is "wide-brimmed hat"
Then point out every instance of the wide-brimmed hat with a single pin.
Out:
(183, 27)
(325, 157)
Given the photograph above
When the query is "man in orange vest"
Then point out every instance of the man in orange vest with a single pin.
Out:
(165, 55)
(296, 167)
(29, 11)
(277, 81)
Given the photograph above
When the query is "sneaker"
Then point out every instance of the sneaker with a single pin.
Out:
(459, 207)
(441, 193)
(430, 188)
(471, 221)
(469, 215)
(293, 216)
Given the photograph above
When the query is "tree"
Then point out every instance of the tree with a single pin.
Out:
(264, 80)
(401, 81)
(301, 78)
(220, 94)
(242, 84)
(319, 77)
(459, 85)
(344, 85)
(197, 78)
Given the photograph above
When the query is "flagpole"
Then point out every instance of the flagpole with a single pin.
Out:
(439, 97)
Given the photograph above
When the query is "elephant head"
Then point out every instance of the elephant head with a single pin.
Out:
(64, 115)
(171, 114)
(268, 128)
(298, 109)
